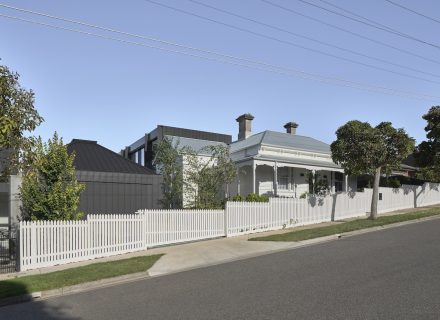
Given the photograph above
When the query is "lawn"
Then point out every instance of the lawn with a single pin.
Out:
(69, 277)
(359, 224)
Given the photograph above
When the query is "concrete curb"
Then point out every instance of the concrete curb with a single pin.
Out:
(83, 287)
(88, 286)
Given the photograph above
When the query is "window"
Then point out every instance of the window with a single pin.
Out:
(339, 177)
(283, 178)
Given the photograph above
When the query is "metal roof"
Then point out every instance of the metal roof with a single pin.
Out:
(90, 156)
(306, 162)
(282, 140)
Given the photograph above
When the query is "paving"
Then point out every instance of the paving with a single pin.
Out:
(388, 274)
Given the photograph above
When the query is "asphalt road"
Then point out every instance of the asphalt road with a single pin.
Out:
(388, 274)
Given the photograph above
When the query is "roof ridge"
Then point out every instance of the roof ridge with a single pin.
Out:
(125, 159)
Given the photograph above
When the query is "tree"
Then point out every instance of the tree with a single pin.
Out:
(206, 178)
(362, 149)
(427, 154)
(18, 117)
(168, 161)
(49, 189)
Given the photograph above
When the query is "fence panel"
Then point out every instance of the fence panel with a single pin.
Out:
(50, 243)
(174, 226)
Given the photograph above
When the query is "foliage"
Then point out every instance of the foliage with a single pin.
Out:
(168, 162)
(317, 185)
(363, 149)
(427, 154)
(50, 190)
(18, 117)
(253, 197)
(391, 183)
(238, 198)
(206, 178)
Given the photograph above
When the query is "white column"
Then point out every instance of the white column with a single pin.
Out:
(313, 180)
(238, 181)
(254, 172)
(345, 183)
(275, 177)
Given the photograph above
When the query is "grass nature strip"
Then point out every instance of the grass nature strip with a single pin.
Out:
(70, 277)
(354, 225)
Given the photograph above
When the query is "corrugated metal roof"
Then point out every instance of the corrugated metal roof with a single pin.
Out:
(90, 156)
(195, 144)
(283, 140)
(306, 162)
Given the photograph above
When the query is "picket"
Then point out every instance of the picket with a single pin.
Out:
(49, 243)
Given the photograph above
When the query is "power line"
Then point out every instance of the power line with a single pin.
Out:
(413, 11)
(375, 24)
(261, 66)
(288, 42)
(349, 31)
(310, 38)
(359, 16)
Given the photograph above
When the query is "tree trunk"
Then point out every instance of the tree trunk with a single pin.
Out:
(375, 199)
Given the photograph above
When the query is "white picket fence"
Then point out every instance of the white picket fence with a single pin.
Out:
(49, 243)
(175, 226)
(251, 217)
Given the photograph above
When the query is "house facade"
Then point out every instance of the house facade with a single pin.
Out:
(268, 163)
(278, 163)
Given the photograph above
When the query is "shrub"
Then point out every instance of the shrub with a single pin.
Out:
(253, 197)
(238, 198)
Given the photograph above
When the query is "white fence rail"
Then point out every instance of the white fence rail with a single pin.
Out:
(49, 243)
(175, 226)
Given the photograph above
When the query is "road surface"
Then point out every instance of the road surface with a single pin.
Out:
(388, 274)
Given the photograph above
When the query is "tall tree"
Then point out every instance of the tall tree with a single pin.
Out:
(362, 149)
(18, 117)
(168, 162)
(207, 178)
(49, 189)
(427, 154)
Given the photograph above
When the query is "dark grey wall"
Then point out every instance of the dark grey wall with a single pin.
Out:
(111, 193)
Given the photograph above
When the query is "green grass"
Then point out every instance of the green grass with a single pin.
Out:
(306, 234)
(69, 277)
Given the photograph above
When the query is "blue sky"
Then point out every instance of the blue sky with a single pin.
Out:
(102, 90)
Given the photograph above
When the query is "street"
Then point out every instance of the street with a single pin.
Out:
(388, 274)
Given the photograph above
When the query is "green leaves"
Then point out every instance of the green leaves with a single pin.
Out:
(168, 162)
(49, 189)
(18, 117)
(361, 148)
(427, 155)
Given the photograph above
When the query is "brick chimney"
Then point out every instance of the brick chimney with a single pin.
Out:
(291, 127)
(244, 126)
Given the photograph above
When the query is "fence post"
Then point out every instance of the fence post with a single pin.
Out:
(33, 255)
(225, 213)
(18, 248)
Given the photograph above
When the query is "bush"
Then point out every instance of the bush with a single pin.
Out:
(238, 198)
(253, 197)
(394, 183)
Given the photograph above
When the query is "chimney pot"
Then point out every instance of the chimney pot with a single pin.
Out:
(291, 127)
(244, 126)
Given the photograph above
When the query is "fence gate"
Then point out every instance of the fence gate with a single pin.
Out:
(8, 250)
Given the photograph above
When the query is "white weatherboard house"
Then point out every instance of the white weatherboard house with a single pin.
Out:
(276, 164)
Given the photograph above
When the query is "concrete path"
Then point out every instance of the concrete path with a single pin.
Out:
(391, 274)
(208, 252)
